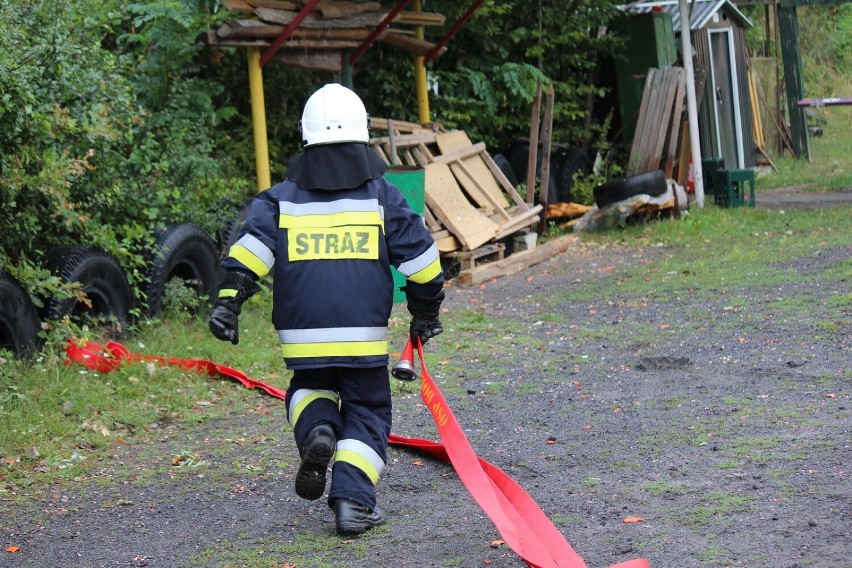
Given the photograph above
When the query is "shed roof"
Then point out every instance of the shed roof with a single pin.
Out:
(701, 11)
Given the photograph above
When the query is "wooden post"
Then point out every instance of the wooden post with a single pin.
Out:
(547, 138)
(788, 26)
(532, 157)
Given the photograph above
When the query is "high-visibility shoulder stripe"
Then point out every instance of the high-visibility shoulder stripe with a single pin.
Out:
(360, 455)
(256, 256)
(336, 334)
(331, 214)
(302, 398)
(424, 267)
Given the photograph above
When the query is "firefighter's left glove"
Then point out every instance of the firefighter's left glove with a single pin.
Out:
(424, 317)
(236, 288)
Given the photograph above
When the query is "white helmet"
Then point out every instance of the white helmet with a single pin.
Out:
(334, 114)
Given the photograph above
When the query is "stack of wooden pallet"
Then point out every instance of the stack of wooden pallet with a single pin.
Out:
(660, 141)
(470, 204)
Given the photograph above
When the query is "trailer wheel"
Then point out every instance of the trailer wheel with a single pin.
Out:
(502, 162)
(651, 183)
(19, 321)
(232, 230)
(568, 162)
(108, 298)
(183, 251)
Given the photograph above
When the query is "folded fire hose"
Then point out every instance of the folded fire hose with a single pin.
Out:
(523, 525)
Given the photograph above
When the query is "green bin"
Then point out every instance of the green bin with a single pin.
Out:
(411, 181)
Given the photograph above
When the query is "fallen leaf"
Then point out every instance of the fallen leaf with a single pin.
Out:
(831, 395)
(486, 562)
(664, 326)
(12, 549)
(497, 543)
(417, 462)
(587, 427)
(551, 440)
(633, 519)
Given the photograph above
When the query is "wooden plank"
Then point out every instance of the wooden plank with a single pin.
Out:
(324, 60)
(479, 176)
(532, 157)
(516, 262)
(239, 6)
(410, 44)
(285, 17)
(503, 180)
(446, 200)
(400, 125)
(344, 9)
(416, 18)
(674, 123)
(523, 220)
(256, 29)
(669, 89)
(636, 146)
(274, 4)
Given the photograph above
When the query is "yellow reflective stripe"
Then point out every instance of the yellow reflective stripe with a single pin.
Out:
(249, 259)
(227, 293)
(303, 397)
(330, 220)
(427, 274)
(335, 349)
(333, 243)
(360, 455)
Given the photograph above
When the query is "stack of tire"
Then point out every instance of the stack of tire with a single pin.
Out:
(183, 251)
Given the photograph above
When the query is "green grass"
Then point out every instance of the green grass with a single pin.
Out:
(829, 168)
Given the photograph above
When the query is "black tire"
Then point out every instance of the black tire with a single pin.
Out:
(651, 183)
(109, 299)
(568, 163)
(182, 251)
(518, 155)
(19, 321)
(502, 162)
(229, 234)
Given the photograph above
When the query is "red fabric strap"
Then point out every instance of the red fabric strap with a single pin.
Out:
(521, 522)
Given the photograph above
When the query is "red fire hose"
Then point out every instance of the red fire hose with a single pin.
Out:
(521, 522)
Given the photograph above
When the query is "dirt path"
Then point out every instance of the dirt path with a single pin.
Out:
(724, 425)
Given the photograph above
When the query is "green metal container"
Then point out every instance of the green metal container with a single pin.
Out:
(411, 181)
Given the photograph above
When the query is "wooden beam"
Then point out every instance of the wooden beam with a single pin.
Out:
(517, 262)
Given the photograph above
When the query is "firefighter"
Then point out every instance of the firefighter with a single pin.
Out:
(327, 234)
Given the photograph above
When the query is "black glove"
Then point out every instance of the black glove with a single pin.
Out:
(424, 317)
(224, 323)
(236, 288)
(425, 329)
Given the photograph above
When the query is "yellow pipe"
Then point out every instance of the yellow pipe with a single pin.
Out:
(420, 72)
(258, 117)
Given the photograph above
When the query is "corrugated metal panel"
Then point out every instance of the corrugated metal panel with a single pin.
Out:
(701, 11)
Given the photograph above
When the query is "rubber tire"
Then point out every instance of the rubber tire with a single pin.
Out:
(182, 251)
(230, 233)
(104, 283)
(502, 162)
(19, 321)
(651, 183)
(568, 162)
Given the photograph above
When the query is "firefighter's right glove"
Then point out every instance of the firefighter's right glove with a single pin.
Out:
(224, 323)
(236, 288)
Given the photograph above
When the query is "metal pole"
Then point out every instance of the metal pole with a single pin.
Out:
(420, 79)
(691, 104)
(258, 116)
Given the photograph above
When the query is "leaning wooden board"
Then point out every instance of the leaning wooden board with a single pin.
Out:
(458, 140)
(445, 199)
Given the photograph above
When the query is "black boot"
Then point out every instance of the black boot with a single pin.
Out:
(317, 451)
(353, 518)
